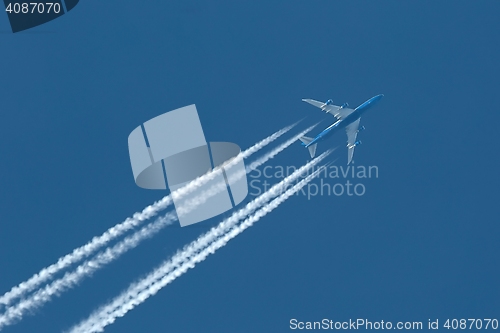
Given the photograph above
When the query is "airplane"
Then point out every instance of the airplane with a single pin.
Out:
(346, 118)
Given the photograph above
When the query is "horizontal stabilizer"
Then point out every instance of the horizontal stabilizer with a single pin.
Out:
(305, 140)
(312, 149)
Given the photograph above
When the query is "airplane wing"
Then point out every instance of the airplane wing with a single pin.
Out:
(336, 111)
(352, 133)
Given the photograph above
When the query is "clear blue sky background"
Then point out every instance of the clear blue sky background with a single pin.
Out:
(423, 242)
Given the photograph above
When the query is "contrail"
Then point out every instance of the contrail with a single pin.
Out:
(83, 251)
(254, 165)
(205, 195)
(196, 183)
(99, 241)
(69, 280)
(193, 253)
(15, 313)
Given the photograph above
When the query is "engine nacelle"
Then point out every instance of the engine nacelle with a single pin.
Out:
(329, 102)
(344, 105)
(362, 128)
(357, 143)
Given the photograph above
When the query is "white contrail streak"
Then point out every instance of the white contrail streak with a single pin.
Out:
(83, 251)
(99, 241)
(15, 313)
(195, 252)
(196, 183)
(261, 160)
(221, 186)
(70, 279)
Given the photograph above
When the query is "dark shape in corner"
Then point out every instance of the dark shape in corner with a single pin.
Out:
(35, 15)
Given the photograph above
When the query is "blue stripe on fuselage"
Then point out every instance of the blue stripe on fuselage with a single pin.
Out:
(328, 132)
(369, 103)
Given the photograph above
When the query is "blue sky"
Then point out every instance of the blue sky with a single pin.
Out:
(421, 243)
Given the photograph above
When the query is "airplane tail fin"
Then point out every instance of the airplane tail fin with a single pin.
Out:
(312, 148)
